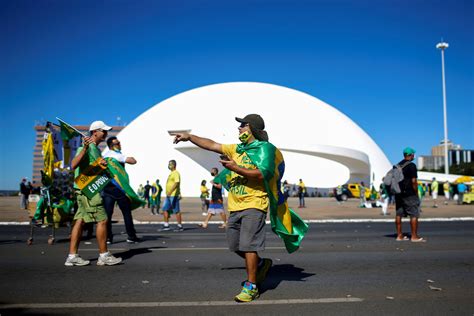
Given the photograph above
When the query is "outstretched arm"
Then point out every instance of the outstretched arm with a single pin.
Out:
(204, 143)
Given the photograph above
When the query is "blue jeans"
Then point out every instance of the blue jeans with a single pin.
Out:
(301, 196)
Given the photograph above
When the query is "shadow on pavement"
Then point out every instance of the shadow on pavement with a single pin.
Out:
(25, 311)
(134, 252)
(11, 241)
(283, 272)
(234, 268)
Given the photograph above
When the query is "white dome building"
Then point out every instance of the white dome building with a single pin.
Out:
(320, 145)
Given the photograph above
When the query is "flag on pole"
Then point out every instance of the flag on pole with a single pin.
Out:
(269, 160)
(48, 155)
(68, 132)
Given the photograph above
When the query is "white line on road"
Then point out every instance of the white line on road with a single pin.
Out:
(322, 221)
(214, 248)
(179, 304)
(178, 249)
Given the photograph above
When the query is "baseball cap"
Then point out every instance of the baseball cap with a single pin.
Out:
(257, 125)
(99, 125)
(255, 120)
(408, 151)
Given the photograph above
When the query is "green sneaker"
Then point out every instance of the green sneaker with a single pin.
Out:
(263, 270)
(247, 294)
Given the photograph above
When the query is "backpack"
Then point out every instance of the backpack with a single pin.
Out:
(393, 178)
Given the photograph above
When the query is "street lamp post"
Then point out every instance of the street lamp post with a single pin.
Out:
(442, 46)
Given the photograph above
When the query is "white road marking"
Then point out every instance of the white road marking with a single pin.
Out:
(321, 221)
(179, 304)
(214, 248)
(178, 249)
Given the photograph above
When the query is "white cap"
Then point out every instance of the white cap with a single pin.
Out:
(99, 125)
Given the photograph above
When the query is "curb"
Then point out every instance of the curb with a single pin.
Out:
(311, 221)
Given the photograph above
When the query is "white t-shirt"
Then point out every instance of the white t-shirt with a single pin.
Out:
(115, 154)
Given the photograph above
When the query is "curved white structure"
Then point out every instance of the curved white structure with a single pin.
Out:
(320, 144)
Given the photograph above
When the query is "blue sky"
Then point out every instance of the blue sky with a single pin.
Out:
(375, 61)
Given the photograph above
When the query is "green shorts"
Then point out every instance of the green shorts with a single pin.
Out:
(90, 211)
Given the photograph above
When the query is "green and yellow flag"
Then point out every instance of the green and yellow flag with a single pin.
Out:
(48, 154)
(269, 160)
(121, 180)
(67, 132)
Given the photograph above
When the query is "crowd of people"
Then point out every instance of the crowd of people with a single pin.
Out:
(248, 178)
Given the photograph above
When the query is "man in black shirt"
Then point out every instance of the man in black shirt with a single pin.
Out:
(407, 202)
(147, 193)
(24, 193)
(217, 202)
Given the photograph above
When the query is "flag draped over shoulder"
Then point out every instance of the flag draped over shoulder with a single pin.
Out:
(269, 160)
(121, 180)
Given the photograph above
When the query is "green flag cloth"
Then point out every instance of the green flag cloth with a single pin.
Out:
(67, 132)
(121, 180)
(269, 160)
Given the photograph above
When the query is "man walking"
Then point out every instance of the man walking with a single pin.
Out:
(407, 202)
(112, 194)
(434, 192)
(446, 192)
(173, 195)
(147, 193)
(462, 188)
(301, 193)
(90, 210)
(362, 198)
(24, 194)
(248, 200)
(156, 190)
(217, 205)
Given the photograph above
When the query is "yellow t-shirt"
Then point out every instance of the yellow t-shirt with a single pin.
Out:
(204, 192)
(244, 193)
(173, 178)
(302, 186)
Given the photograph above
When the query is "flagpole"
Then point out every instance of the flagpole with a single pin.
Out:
(69, 125)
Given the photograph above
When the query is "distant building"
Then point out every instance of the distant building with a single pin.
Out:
(439, 149)
(456, 156)
(430, 162)
(38, 156)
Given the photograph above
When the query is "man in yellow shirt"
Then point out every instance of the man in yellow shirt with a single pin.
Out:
(248, 201)
(171, 204)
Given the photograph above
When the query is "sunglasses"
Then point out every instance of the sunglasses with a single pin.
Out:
(243, 124)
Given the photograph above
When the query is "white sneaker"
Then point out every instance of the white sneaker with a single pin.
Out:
(75, 261)
(108, 260)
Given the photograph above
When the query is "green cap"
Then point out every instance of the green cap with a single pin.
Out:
(408, 151)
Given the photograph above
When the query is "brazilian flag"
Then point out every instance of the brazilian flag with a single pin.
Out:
(269, 160)
(121, 180)
(67, 132)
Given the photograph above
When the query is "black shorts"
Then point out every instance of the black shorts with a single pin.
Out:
(407, 206)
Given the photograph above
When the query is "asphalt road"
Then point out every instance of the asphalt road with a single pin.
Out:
(342, 269)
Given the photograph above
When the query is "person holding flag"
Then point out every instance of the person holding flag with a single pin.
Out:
(114, 193)
(252, 175)
(88, 166)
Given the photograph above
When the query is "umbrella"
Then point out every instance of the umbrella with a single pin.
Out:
(465, 179)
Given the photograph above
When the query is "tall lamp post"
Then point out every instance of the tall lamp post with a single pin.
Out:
(442, 46)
